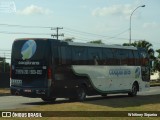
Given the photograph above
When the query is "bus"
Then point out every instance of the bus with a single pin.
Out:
(49, 69)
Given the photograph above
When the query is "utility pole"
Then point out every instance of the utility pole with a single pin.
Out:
(130, 22)
(57, 30)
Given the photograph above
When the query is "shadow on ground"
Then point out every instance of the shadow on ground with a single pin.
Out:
(122, 101)
(118, 101)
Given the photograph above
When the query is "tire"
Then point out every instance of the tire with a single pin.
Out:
(134, 90)
(48, 99)
(81, 94)
(104, 95)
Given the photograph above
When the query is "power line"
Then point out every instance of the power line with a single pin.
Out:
(24, 26)
(74, 31)
(90, 37)
(6, 32)
(57, 34)
(4, 50)
(119, 34)
(88, 33)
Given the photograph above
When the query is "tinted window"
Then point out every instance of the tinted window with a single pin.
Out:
(79, 55)
(56, 55)
(40, 50)
(131, 60)
(28, 57)
(108, 58)
(143, 58)
(39, 54)
(121, 57)
(95, 56)
(136, 57)
(65, 54)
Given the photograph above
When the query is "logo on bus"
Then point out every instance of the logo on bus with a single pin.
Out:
(119, 72)
(28, 49)
(137, 72)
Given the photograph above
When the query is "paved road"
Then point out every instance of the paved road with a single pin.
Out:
(12, 102)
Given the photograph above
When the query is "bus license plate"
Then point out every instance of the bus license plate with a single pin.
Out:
(28, 90)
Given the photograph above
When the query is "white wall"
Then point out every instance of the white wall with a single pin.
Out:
(155, 76)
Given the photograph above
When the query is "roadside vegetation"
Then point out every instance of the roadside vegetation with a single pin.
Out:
(155, 83)
(4, 91)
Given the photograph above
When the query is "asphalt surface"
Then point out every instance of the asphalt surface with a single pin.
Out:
(13, 102)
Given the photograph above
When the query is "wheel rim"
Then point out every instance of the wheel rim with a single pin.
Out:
(134, 89)
(81, 94)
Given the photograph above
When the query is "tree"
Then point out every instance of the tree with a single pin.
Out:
(157, 62)
(4, 67)
(96, 42)
(143, 44)
(69, 39)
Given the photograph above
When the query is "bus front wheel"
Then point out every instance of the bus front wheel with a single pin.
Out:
(134, 90)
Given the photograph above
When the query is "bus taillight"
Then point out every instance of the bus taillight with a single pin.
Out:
(49, 73)
(11, 71)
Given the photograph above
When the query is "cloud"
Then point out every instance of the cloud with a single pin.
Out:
(33, 9)
(124, 10)
(151, 25)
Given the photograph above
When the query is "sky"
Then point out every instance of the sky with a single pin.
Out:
(83, 20)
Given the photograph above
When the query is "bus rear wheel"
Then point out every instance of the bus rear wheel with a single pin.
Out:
(48, 99)
(104, 95)
(81, 94)
(134, 90)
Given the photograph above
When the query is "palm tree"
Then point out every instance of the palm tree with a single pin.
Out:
(143, 44)
(157, 61)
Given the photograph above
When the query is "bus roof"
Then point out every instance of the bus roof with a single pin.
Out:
(84, 44)
(102, 45)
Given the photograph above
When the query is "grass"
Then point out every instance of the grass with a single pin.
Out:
(155, 83)
(110, 103)
(4, 91)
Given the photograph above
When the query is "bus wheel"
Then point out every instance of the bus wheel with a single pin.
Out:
(48, 99)
(134, 90)
(104, 95)
(81, 94)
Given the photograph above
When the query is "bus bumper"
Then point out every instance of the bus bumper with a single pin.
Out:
(29, 92)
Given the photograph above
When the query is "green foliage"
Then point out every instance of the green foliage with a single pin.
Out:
(143, 44)
(157, 62)
(69, 39)
(96, 42)
(148, 46)
(4, 67)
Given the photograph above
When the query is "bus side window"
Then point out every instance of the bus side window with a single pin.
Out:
(65, 55)
(144, 58)
(136, 57)
(131, 60)
(79, 55)
(116, 61)
(124, 57)
(55, 55)
(121, 57)
(95, 56)
(108, 58)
